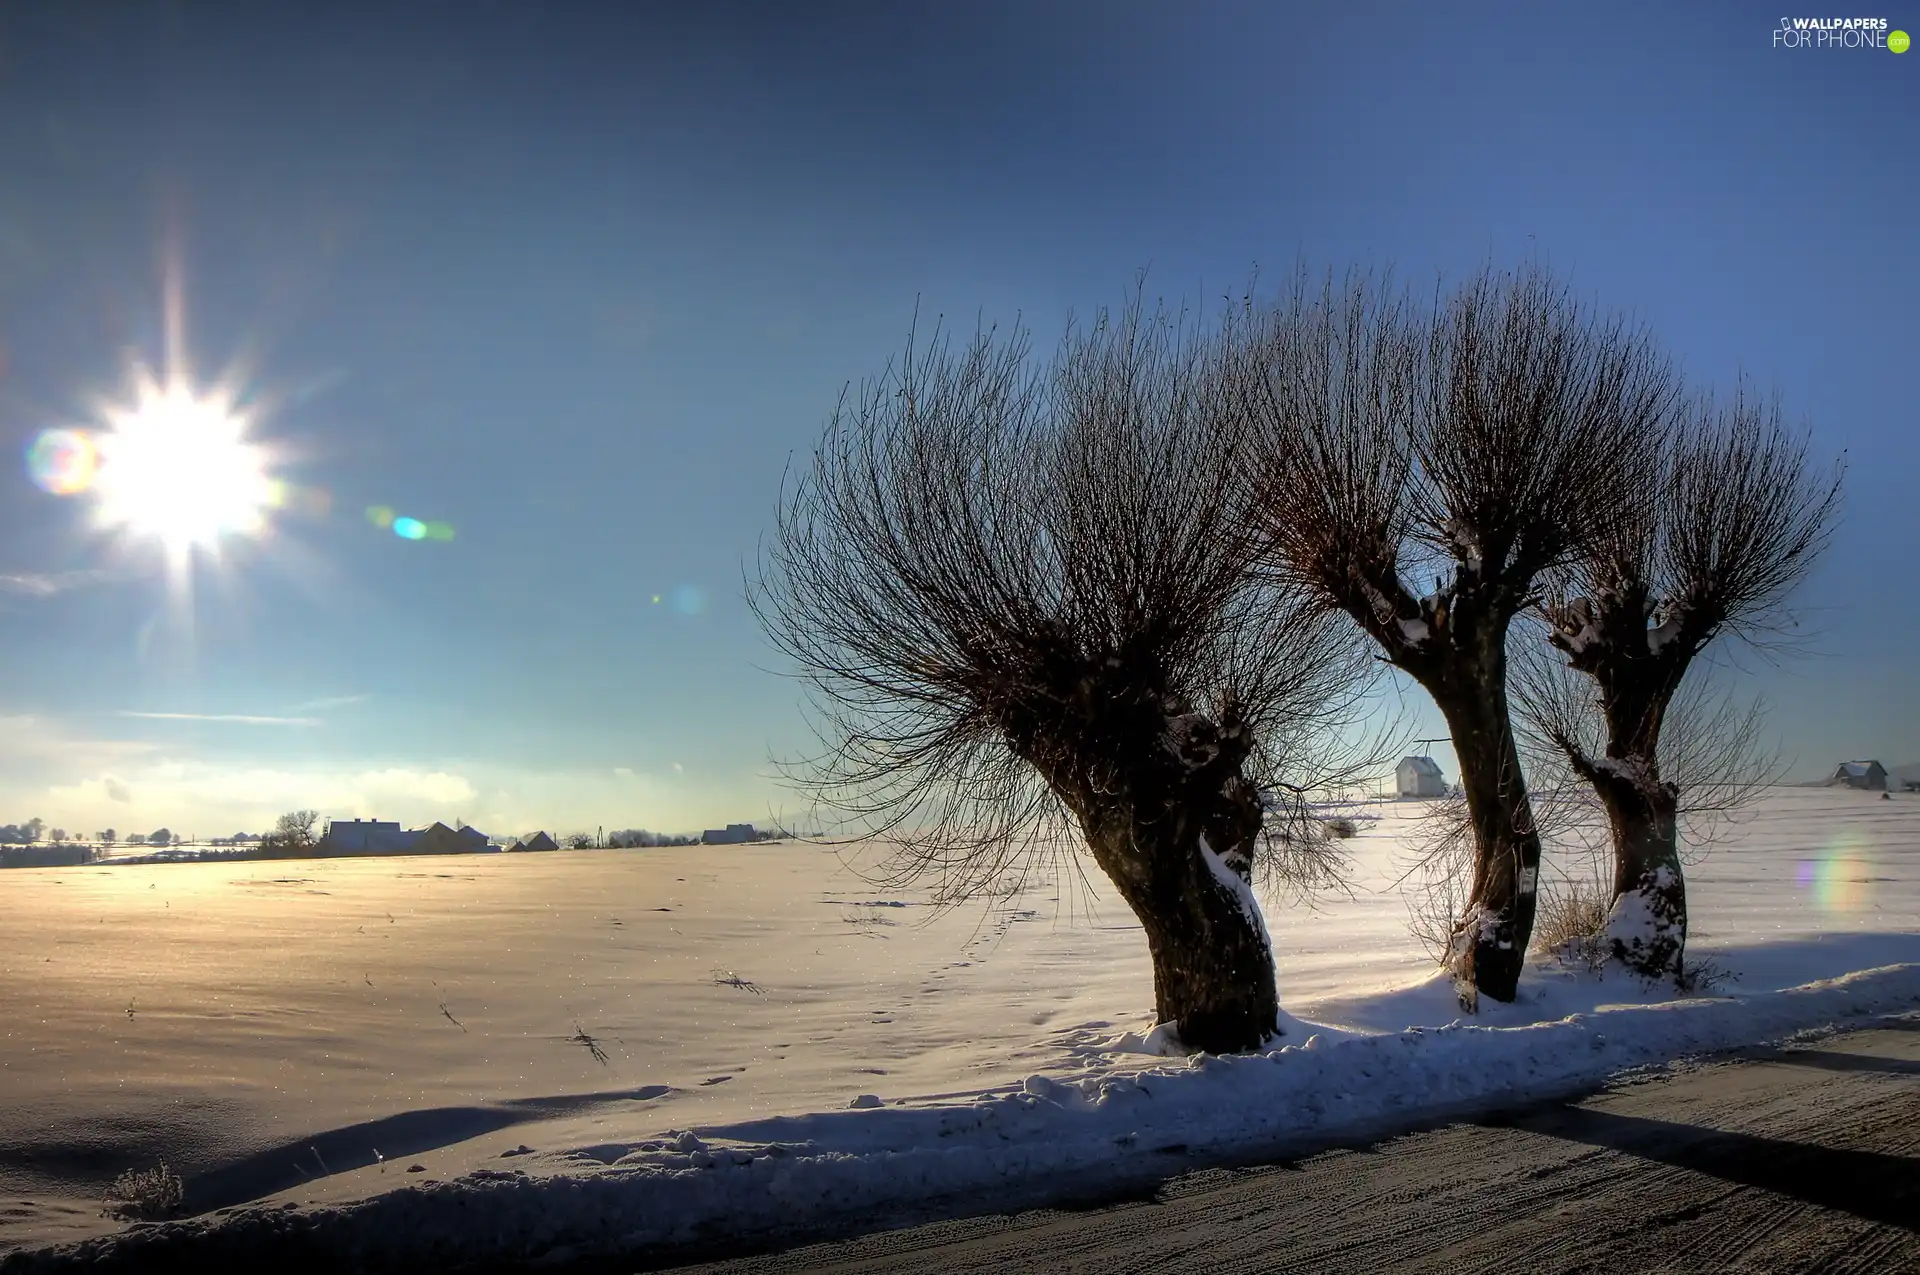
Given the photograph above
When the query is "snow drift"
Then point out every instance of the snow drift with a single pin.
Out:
(796, 1177)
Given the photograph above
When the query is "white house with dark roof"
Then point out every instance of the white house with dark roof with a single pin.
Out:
(1870, 776)
(1419, 777)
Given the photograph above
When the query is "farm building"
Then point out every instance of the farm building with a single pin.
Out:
(535, 841)
(1868, 775)
(437, 838)
(366, 836)
(1419, 777)
(733, 834)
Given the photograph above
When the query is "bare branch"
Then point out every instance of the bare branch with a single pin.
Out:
(1474, 443)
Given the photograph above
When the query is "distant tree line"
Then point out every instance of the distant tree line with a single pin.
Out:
(34, 830)
(637, 838)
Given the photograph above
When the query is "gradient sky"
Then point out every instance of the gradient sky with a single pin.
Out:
(580, 279)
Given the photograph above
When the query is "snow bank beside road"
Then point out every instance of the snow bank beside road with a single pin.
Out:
(794, 1177)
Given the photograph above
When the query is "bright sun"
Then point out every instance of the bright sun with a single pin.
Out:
(178, 466)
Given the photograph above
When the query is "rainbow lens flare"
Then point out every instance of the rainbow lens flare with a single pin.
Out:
(1841, 878)
(63, 461)
(409, 528)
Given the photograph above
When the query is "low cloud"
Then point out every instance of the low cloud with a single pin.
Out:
(91, 794)
(330, 701)
(234, 719)
(94, 786)
(203, 797)
(44, 584)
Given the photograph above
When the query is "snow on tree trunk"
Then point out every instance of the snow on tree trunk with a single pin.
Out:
(1647, 924)
(1177, 839)
(1212, 960)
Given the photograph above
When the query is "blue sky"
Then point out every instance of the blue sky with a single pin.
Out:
(578, 280)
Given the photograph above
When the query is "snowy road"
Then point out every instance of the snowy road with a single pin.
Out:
(1797, 1159)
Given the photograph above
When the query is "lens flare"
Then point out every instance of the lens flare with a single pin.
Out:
(1841, 878)
(63, 461)
(688, 599)
(407, 527)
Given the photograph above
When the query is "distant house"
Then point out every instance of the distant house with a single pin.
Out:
(366, 836)
(1419, 777)
(538, 841)
(1869, 776)
(733, 834)
(437, 838)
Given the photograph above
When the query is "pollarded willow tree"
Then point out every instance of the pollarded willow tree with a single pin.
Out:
(1730, 515)
(1474, 440)
(1020, 595)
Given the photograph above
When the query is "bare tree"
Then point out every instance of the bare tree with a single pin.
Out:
(292, 835)
(1733, 517)
(1021, 597)
(1471, 441)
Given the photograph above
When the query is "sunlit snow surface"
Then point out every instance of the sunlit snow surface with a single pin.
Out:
(310, 1031)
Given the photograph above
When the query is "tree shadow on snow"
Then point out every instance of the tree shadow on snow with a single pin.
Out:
(392, 1138)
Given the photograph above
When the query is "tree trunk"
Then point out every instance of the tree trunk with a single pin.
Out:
(1490, 942)
(1213, 976)
(1213, 973)
(1647, 924)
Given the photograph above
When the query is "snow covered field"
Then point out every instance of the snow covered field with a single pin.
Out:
(624, 1046)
